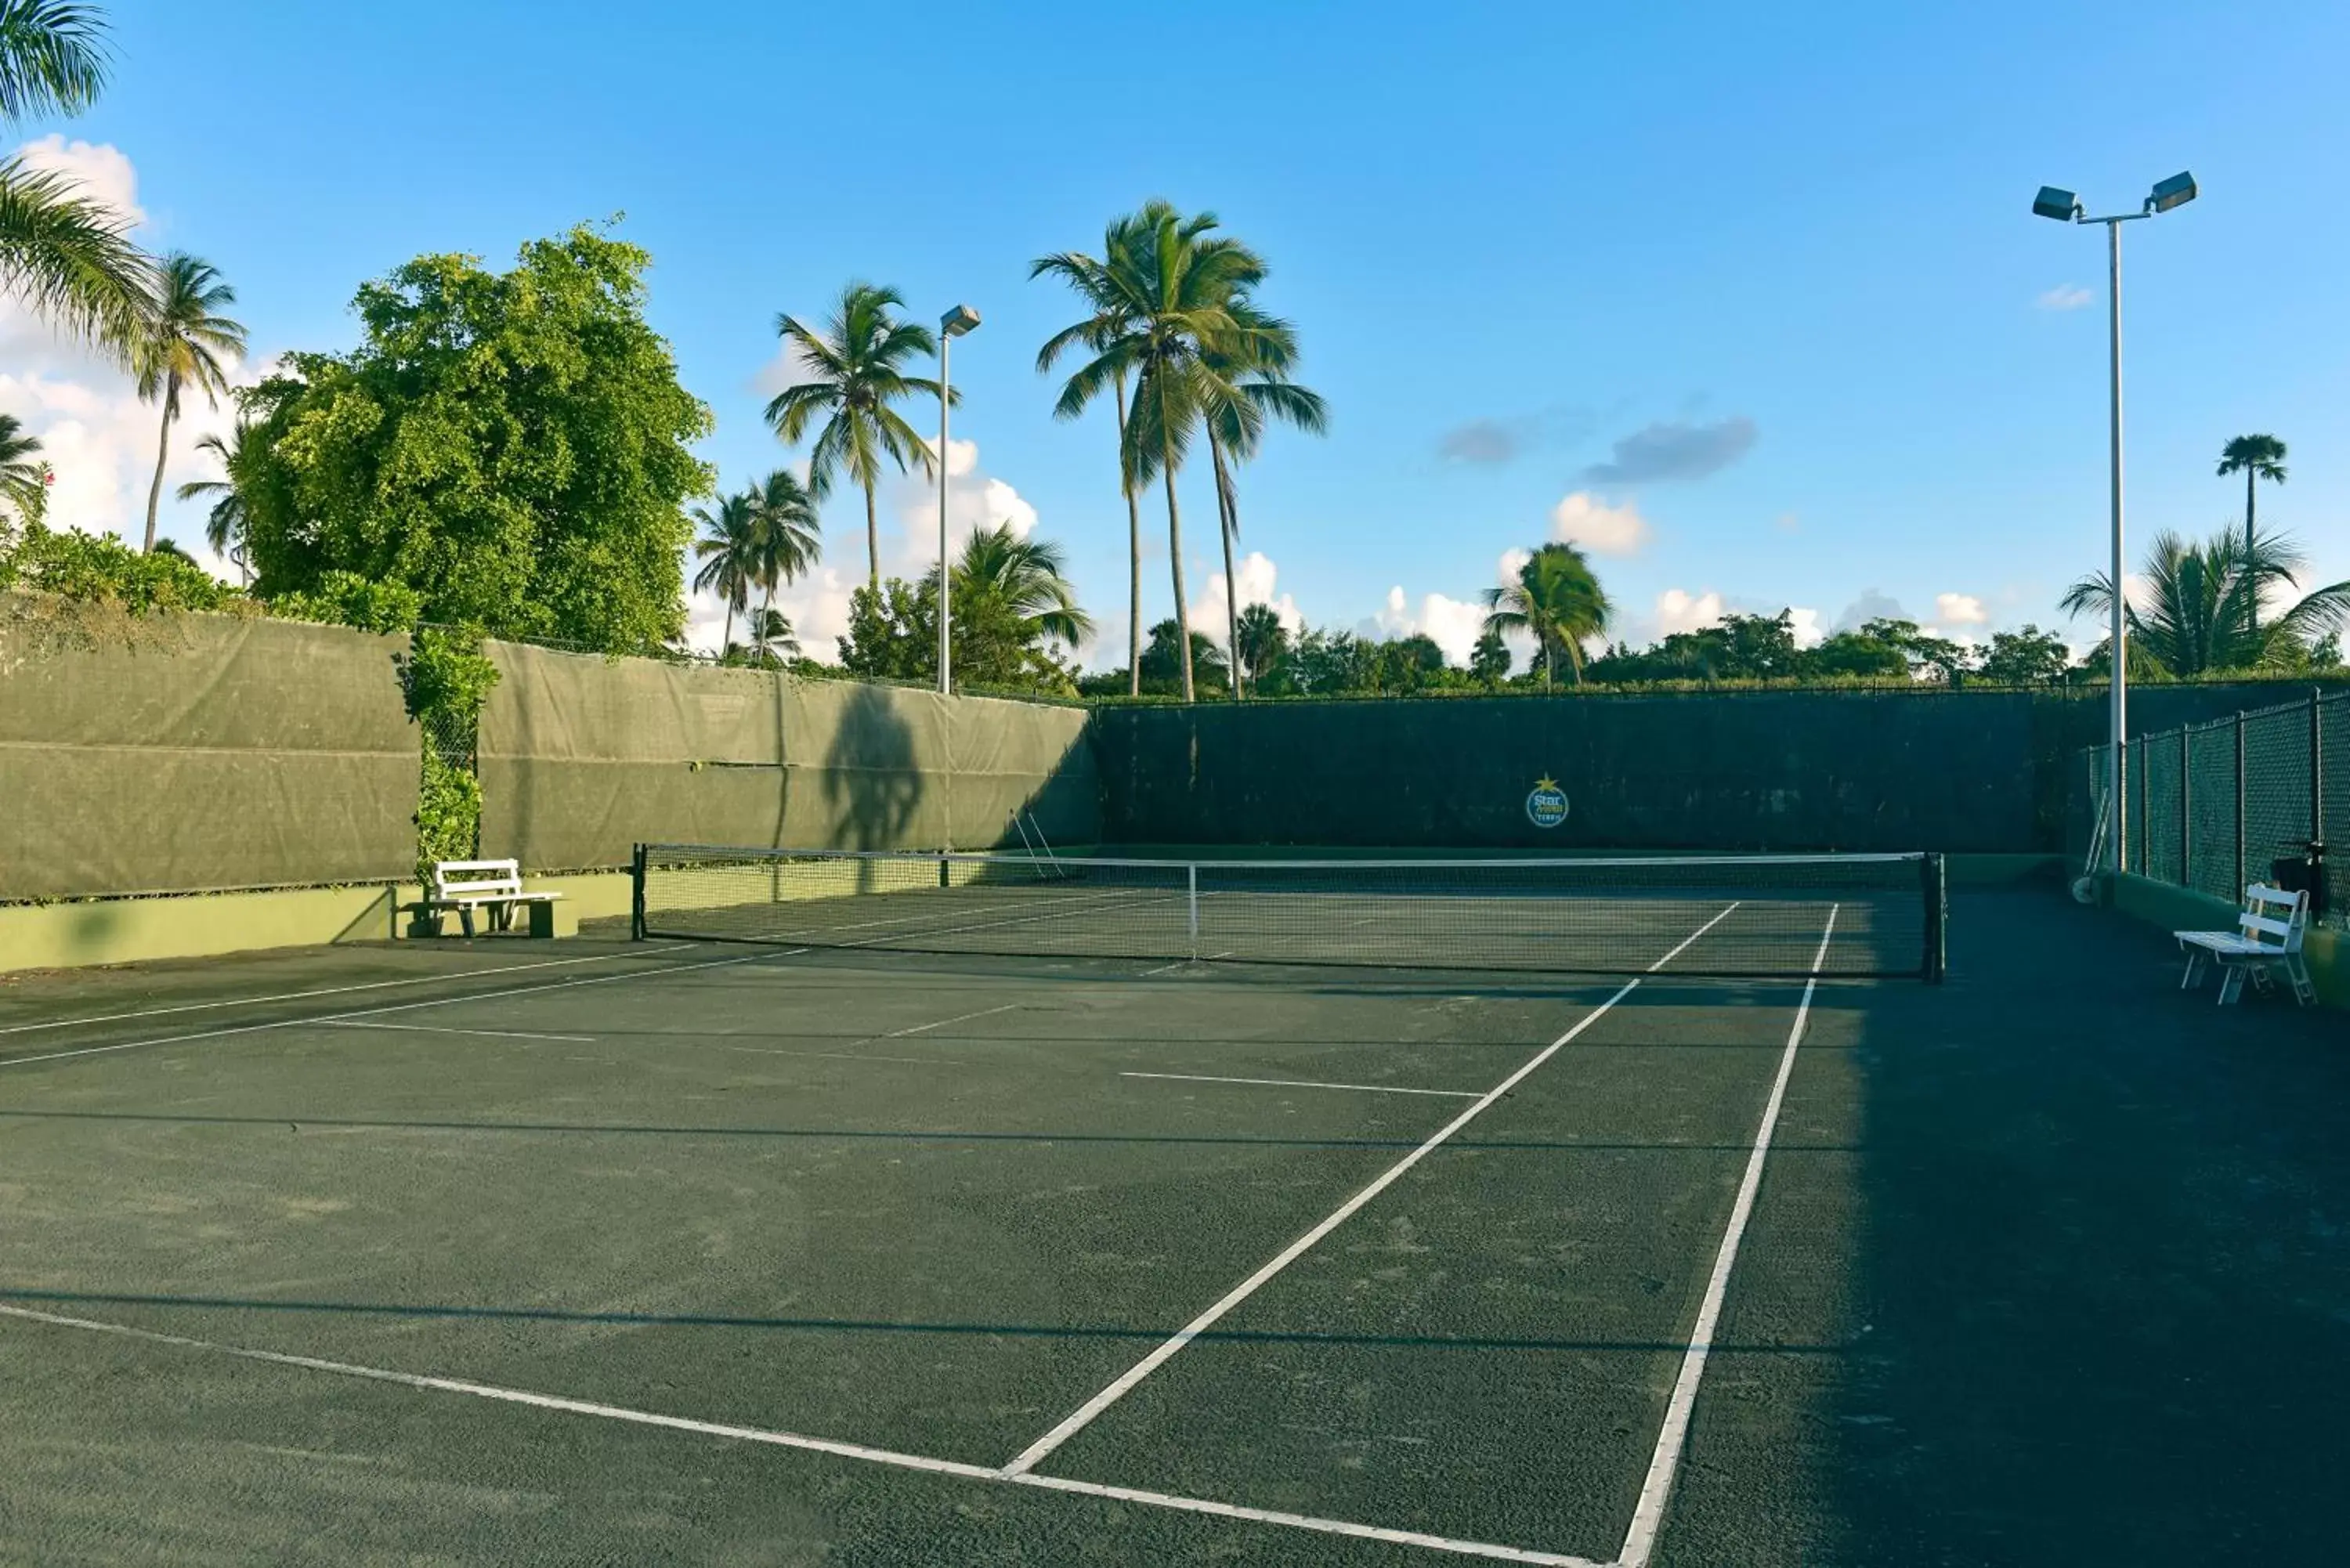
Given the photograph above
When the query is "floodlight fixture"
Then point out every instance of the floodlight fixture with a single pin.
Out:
(2061, 206)
(2175, 192)
(962, 318)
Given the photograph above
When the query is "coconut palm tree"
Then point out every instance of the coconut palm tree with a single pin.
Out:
(1112, 315)
(182, 345)
(853, 363)
(1174, 285)
(773, 640)
(1027, 577)
(224, 523)
(1256, 361)
(1559, 600)
(64, 253)
(2201, 609)
(1261, 640)
(790, 539)
(2256, 457)
(729, 553)
(24, 478)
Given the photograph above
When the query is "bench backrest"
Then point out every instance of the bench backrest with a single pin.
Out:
(460, 878)
(2274, 918)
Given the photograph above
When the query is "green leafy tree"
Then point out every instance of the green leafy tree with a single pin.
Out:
(181, 350)
(513, 446)
(855, 363)
(1173, 286)
(1948, 662)
(1255, 360)
(1556, 600)
(225, 521)
(2027, 658)
(1261, 641)
(23, 477)
(1111, 314)
(1855, 655)
(1328, 662)
(1489, 661)
(1027, 577)
(103, 569)
(773, 640)
(1011, 605)
(2256, 457)
(1166, 667)
(65, 254)
(729, 551)
(791, 540)
(2201, 610)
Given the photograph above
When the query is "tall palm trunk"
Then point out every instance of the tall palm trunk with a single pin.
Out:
(726, 637)
(1175, 559)
(1134, 556)
(873, 537)
(1228, 521)
(2253, 600)
(162, 452)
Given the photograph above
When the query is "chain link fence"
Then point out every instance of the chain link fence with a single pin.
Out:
(2215, 807)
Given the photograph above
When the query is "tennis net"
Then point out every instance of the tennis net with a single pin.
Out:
(1751, 915)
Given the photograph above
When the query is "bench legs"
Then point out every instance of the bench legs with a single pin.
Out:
(2194, 968)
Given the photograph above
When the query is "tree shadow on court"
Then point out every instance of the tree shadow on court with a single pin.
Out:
(873, 782)
(2099, 1248)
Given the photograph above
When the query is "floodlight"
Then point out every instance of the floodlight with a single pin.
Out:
(2175, 192)
(960, 320)
(2061, 206)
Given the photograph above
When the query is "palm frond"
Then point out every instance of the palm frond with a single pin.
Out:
(70, 258)
(52, 57)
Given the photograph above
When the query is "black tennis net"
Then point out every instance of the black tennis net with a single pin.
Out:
(1748, 915)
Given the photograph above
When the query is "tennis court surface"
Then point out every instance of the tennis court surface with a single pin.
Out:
(697, 1250)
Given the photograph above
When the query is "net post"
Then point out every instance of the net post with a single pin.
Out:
(637, 894)
(1931, 872)
(2240, 884)
(1191, 900)
(2185, 807)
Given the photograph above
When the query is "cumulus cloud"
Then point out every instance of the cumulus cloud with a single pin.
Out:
(1481, 441)
(1959, 609)
(1254, 574)
(1675, 448)
(1677, 609)
(1453, 625)
(1809, 632)
(2064, 296)
(1872, 605)
(1604, 530)
(103, 172)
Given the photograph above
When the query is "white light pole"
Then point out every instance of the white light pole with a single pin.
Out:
(2065, 208)
(951, 326)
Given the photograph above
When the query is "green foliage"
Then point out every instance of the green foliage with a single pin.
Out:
(511, 446)
(182, 347)
(102, 569)
(2028, 658)
(447, 679)
(1555, 599)
(2202, 609)
(894, 636)
(345, 598)
(448, 808)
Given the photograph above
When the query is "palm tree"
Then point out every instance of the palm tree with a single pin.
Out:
(224, 523)
(1173, 286)
(2257, 457)
(1256, 361)
(772, 638)
(790, 539)
(856, 360)
(1111, 316)
(67, 255)
(1559, 600)
(1027, 577)
(729, 553)
(2202, 607)
(24, 478)
(1261, 640)
(180, 346)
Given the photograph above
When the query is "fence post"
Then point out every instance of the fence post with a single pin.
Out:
(636, 895)
(2186, 806)
(2241, 881)
(2145, 822)
(2316, 765)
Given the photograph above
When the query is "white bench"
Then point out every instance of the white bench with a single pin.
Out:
(2267, 936)
(496, 885)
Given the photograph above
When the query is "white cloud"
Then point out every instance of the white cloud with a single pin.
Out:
(1254, 574)
(1604, 530)
(102, 169)
(1677, 609)
(1809, 632)
(1874, 604)
(2064, 296)
(1960, 610)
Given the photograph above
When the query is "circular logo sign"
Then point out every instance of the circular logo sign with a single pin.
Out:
(1546, 804)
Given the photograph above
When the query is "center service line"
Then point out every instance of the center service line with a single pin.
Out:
(1078, 1420)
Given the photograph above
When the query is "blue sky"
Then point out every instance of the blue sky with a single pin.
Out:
(1785, 259)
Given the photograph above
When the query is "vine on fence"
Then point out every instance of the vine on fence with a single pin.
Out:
(447, 679)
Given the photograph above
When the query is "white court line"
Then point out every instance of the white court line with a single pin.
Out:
(941, 1023)
(827, 1446)
(484, 1033)
(397, 1007)
(1300, 1084)
(323, 991)
(845, 1056)
(1648, 1515)
(1694, 936)
(1077, 1419)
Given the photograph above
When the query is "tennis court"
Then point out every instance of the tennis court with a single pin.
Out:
(694, 1249)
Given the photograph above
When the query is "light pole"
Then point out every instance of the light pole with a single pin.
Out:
(951, 326)
(2065, 208)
